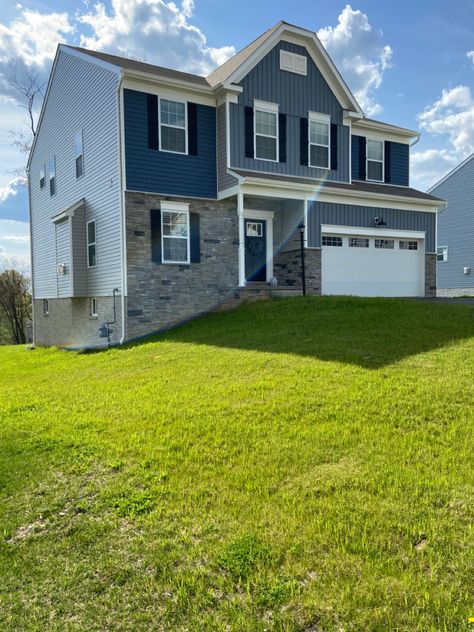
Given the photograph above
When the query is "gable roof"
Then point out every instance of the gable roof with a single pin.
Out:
(140, 66)
(451, 173)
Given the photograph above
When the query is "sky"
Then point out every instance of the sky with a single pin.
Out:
(410, 63)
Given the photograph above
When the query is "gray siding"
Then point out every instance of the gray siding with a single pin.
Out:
(224, 180)
(296, 95)
(456, 228)
(79, 256)
(363, 216)
(83, 96)
(63, 256)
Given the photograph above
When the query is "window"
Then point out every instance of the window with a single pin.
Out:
(52, 177)
(173, 126)
(388, 244)
(93, 307)
(318, 141)
(442, 253)
(175, 235)
(45, 307)
(408, 244)
(375, 165)
(79, 155)
(291, 62)
(42, 177)
(254, 229)
(266, 131)
(91, 245)
(328, 240)
(358, 242)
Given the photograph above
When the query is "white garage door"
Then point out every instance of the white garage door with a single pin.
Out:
(364, 265)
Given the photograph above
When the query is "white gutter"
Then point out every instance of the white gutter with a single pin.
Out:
(123, 241)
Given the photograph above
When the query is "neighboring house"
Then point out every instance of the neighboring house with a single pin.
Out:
(455, 235)
(157, 195)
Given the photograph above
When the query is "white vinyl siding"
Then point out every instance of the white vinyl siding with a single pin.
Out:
(78, 145)
(173, 126)
(375, 160)
(319, 140)
(82, 95)
(266, 131)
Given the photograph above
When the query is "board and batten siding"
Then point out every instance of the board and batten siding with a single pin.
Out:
(456, 228)
(397, 168)
(82, 95)
(296, 95)
(224, 179)
(363, 217)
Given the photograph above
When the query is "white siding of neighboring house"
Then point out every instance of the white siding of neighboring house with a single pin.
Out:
(63, 256)
(82, 95)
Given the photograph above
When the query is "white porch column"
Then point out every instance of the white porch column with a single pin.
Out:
(240, 212)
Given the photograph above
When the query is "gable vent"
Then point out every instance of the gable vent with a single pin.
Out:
(291, 62)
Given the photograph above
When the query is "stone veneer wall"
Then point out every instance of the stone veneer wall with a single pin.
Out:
(69, 323)
(287, 269)
(430, 275)
(162, 295)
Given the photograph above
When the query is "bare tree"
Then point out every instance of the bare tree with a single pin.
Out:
(30, 87)
(15, 303)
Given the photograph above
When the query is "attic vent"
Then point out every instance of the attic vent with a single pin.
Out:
(291, 62)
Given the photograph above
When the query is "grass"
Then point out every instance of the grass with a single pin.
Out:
(301, 464)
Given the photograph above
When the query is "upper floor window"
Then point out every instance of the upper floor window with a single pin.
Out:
(173, 126)
(319, 131)
(375, 166)
(442, 253)
(91, 244)
(175, 233)
(266, 131)
(52, 176)
(79, 155)
(42, 177)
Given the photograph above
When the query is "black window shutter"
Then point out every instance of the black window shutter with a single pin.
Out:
(195, 238)
(334, 129)
(387, 160)
(248, 132)
(155, 225)
(362, 158)
(282, 137)
(152, 102)
(303, 141)
(192, 129)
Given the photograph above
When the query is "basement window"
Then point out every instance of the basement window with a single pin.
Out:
(45, 307)
(93, 307)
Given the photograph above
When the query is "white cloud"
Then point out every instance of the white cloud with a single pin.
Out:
(11, 188)
(470, 55)
(14, 245)
(360, 54)
(452, 116)
(134, 27)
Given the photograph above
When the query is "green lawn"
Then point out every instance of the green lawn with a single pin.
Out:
(301, 464)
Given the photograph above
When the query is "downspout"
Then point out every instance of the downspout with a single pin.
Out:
(123, 243)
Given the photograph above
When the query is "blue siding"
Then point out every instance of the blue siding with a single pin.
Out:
(163, 172)
(363, 216)
(456, 228)
(399, 161)
(296, 95)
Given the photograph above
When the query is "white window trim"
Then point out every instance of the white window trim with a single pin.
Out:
(316, 117)
(272, 108)
(160, 136)
(93, 312)
(76, 156)
(175, 207)
(445, 253)
(367, 159)
(92, 243)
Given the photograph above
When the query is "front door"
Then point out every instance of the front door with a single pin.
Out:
(255, 250)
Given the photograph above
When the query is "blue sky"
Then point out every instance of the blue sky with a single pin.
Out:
(408, 63)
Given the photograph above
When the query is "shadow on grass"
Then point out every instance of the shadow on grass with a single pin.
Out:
(369, 332)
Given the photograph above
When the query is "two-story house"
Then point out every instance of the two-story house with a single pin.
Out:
(158, 195)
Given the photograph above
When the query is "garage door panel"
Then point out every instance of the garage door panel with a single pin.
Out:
(372, 271)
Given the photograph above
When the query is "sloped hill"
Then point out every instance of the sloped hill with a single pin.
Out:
(301, 464)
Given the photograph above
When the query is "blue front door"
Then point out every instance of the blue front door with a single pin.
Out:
(255, 250)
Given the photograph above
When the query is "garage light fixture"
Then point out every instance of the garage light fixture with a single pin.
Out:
(379, 221)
